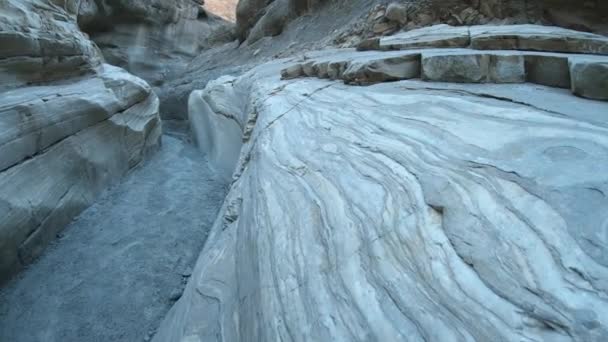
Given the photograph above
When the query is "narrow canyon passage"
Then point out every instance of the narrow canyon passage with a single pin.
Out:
(117, 269)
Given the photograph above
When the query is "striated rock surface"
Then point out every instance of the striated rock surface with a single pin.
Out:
(431, 54)
(407, 210)
(151, 39)
(70, 126)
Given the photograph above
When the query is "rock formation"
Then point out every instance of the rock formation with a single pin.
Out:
(260, 18)
(151, 39)
(399, 171)
(71, 125)
(418, 210)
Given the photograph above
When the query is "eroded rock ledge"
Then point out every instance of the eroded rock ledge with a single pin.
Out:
(404, 210)
(70, 126)
(544, 55)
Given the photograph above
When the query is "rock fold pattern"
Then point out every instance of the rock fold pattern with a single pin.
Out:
(400, 211)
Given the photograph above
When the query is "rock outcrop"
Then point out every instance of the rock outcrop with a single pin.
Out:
(545, 55)
(260, 18)
(409, 210)
(70, 125)
(151, 39)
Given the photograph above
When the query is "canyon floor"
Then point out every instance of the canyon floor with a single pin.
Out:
(114, 273)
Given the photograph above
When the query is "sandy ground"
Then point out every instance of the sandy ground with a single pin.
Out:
(116, 270)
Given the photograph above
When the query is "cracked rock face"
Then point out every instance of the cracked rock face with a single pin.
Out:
(408, 210)
(70, 126)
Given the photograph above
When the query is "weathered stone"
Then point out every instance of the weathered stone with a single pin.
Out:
(589, 78)
(61, 143)
(292, 72)
(438, 36)
(473, 67)
(369, 44)
(150, 38)
(383, 69)
(80, 138)
(537, 38)
(397, 12)
(548, 69)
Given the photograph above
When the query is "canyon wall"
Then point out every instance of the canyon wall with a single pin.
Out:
(458, 196)
(71, 125)
(151, 39)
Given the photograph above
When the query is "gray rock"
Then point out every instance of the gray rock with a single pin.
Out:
(473, 67)
(78, 130)
(56, 51)
(403, 211)
(438, 36)
(397, 12)
(384, 69)
(548, 69)
(537, 38)
(589, 78)
(151, 39)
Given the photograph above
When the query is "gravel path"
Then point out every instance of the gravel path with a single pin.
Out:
(116, 270)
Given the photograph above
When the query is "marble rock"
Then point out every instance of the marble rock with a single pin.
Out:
(401, 211)
(70, 126)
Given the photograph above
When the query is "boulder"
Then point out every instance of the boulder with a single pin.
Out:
(397, 12)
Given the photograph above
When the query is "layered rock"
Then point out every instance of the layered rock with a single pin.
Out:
(399, 211)
(151, 39)
(70, 126)
(438, 53)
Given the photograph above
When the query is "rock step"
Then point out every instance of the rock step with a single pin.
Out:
(484, 37)
(585, 75)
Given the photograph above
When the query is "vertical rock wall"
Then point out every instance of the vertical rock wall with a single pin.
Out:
(70, 126)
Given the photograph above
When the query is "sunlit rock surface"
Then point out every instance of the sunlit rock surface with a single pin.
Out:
(410, 210)
(70, 126)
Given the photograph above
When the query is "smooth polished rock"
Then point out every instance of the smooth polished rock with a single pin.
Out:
(404, 211)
